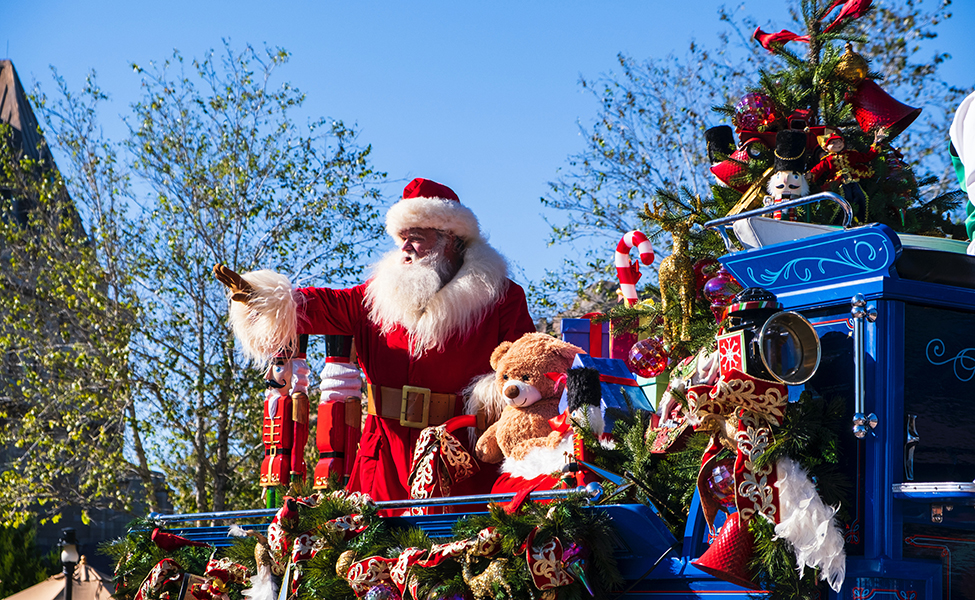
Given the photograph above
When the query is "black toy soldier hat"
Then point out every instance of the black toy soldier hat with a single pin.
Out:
(721, 143)
(790, 150)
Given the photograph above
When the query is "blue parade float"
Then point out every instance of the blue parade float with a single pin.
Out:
(895, 319)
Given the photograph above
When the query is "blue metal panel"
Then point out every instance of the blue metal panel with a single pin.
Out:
(886, 579)
(691, 584)
(819, 261)
(885, 452)
(215, 536)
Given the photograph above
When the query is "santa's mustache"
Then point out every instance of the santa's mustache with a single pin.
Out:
(436, 261)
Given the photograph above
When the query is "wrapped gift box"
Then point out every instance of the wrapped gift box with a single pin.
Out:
(654, 387)
(597, 339)
(579, 332)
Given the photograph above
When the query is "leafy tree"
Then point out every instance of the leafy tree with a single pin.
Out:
(231, 179)
(65, 339)
(21, 564)
(214, 169)
(648, 134)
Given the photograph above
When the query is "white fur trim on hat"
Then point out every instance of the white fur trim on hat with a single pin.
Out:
(433, 213)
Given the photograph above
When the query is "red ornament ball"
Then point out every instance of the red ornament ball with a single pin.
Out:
(722, 485)
(754, 112)
(648, 358)
(704, 269)
(721, 287)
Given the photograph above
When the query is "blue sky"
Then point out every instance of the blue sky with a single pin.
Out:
(482, 96)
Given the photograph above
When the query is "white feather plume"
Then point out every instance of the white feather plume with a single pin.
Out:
(808, 525)
(237, 531)
(268, 321)
(263, 586)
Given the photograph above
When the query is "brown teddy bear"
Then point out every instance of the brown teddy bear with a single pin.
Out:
(531, 398)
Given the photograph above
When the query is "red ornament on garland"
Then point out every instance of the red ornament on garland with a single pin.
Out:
(648, 358)
(754, 112)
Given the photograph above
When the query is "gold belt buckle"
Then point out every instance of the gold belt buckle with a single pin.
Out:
(425, 393)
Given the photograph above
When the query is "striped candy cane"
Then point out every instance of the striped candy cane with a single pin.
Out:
(629, 273)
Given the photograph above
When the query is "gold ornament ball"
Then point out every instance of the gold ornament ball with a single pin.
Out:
(852, 68)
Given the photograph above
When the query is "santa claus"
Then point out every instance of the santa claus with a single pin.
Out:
(424, 326)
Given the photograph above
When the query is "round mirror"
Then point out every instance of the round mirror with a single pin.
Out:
(789, 347)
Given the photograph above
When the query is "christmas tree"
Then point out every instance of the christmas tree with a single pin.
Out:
(818, 121)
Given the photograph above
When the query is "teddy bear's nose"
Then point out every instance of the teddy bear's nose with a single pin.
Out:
(511, 391)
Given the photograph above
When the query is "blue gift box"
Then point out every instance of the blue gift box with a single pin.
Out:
(576, 332)
(621, 391)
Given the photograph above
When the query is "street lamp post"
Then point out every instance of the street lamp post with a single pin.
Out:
(69, 558)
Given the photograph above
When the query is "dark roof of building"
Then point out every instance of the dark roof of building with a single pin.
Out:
(16, 110)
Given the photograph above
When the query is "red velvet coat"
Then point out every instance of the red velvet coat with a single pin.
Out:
(382, 466)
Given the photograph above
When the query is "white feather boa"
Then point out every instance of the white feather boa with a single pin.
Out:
(808, 525)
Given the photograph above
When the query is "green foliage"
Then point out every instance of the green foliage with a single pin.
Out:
(810, 434)
(775, 566)
(65, 331)
(136, 554)
(667, 481)
(571, 520)
(21, 564)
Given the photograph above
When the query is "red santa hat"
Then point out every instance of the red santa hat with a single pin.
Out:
(429, 204)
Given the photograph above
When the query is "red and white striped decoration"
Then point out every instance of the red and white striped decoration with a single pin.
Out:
(629, 273)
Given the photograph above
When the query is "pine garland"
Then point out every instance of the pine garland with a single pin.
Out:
(136, 554)
(775, 569)
(570, 519)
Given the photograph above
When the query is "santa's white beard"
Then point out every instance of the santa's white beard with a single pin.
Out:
(400, 292)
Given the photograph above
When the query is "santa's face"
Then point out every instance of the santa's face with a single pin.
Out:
(419, 242)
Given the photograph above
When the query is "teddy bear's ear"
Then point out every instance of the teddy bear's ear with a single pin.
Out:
(500, 351)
